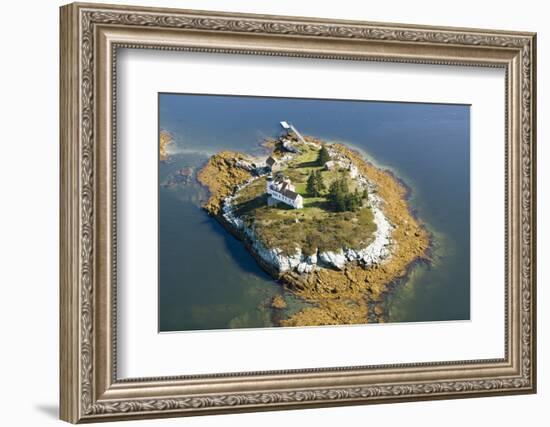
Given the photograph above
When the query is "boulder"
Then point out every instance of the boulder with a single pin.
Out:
(243, 164)
(334, 259)
(304, 267)
(312, 259)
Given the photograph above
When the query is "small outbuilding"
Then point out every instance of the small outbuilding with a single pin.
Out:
(272, 163)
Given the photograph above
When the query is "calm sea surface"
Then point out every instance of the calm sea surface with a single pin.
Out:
(208, 280)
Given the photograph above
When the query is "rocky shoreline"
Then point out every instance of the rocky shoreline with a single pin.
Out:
(343, 285)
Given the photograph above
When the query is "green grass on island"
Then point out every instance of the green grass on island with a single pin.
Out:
(317, 226)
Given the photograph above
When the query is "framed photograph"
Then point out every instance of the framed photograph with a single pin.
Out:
(268, 212)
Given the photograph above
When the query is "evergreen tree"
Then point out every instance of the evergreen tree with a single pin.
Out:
(311, 185)
(315, 184)
(341, 198)
(337, 195)
(319, 182)
(324, 156)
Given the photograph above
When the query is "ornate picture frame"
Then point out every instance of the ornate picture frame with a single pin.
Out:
(90, 37)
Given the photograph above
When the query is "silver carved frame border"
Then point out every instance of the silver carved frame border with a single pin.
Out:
(90, 37)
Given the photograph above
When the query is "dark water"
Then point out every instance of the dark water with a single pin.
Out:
(207, 278)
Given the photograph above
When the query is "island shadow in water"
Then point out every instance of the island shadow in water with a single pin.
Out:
(248, 264)
(236, 248)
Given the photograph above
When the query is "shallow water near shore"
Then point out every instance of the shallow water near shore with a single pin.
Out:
(208, 280)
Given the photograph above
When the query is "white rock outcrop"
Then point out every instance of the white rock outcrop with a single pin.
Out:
(334, 259)
(274, 257)
(228, 211)
(246, 165)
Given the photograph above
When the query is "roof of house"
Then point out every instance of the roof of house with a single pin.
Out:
(270, 161)
(290, 194)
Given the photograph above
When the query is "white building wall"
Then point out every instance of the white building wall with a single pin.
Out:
(297, 204)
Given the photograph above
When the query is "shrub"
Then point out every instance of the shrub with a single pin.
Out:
(324, 156)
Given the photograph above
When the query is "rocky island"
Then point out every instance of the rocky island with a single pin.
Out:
(334, 229)
(165, 140)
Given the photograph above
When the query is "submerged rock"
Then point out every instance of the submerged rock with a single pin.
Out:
(278, 302)
(182, 176)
